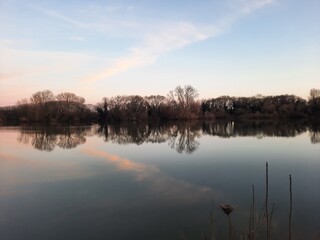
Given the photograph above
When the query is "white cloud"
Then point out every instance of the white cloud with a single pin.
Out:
(172, 36)
(59, 16)
(248, 6)
(94, 18)
(157, 37)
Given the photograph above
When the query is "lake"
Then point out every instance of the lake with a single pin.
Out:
(159, 181)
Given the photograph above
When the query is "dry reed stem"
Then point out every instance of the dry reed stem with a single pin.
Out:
(266, 203)
(212, 222)
(290, 212)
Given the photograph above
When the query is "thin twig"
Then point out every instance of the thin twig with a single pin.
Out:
(267, 213)
(229, 220)
(253, 214)
(212, 222)
(271, 215)
(290, 212)
(250, 224)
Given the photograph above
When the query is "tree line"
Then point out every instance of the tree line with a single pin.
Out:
(182, 104)
(47, 108)
(179, 104)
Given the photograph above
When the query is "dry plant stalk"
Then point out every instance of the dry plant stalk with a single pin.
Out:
(212, 222)
(252, 217)
(227, 209)
(266, 201)
(290, 212)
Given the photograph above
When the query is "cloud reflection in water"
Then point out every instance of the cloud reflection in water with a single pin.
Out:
(157, 182)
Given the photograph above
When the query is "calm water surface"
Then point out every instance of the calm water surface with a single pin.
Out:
(157, 182)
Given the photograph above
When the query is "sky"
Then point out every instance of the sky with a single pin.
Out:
(104, 48)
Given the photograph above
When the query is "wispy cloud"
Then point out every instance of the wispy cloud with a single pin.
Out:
(169, 36)
(175, 36)
(93, 17)
(59, 16)
(172, 36)
(249, 6)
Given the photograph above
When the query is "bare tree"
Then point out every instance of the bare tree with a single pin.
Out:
(314, 94)
(314, 101)
(136, 108)
(183, 98)
(23, 109)
(190, 94)
(42, 105)
(69, 104)
(42, 97)
(155, 105)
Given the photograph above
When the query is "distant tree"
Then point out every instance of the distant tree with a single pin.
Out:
(190, 94)
(69, 105)
(223, 105)
(155, 105)
(182, 99)
(116, 106)
(69, 98)
(314, 101)
(42, 105)
(102, 109)
(23, 109)
(136, 108)
(42, 97)
(23, 102)
(314, 94)
(9, 114)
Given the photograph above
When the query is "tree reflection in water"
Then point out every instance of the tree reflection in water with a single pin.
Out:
(315, 137)
(181, 136)
(257, 129)
(315, 134)
(71, 139)
(46, 139)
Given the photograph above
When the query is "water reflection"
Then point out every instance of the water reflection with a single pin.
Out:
(256, 129)
(154, 180)
(315, 137)
(99, 187)
(315, 133)
(181, 137)
(46, 139)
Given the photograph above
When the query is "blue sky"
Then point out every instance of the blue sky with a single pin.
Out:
(99, 49)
